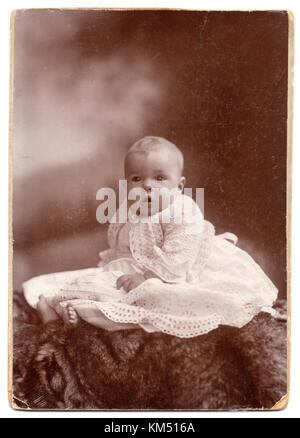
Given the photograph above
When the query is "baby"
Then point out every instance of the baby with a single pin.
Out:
(167, 271)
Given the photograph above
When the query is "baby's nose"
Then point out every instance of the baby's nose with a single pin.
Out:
(147, 186)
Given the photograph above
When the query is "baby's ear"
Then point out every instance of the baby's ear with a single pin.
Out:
(181, 183)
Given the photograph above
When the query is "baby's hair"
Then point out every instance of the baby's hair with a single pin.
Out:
(149, 144)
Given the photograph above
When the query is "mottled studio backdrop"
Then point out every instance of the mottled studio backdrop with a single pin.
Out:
(89, 83)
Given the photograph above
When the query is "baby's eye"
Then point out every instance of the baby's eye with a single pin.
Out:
(160, 177)
(136, 179)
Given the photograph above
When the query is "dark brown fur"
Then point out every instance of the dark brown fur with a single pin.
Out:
(88, 368)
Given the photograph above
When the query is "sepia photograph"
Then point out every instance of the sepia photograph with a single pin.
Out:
(150, 155)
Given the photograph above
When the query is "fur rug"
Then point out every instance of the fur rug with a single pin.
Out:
(88, 368)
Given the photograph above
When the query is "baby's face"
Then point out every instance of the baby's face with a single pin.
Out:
(154, 170)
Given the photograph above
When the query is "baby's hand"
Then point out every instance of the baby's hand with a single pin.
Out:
(130, 281)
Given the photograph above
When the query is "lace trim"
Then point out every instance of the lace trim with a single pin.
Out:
(173, 325)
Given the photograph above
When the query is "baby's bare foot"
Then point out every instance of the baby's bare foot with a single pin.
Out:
(71, 317)
(45, 311)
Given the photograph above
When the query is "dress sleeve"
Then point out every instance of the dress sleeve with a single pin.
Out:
(183, 247)
(106, 256)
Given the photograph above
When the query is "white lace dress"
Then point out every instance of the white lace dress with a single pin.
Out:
(203, 281)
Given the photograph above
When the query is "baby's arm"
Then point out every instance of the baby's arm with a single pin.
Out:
(180, 250)
(130, 281)
(172, 261)
(150, 274)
